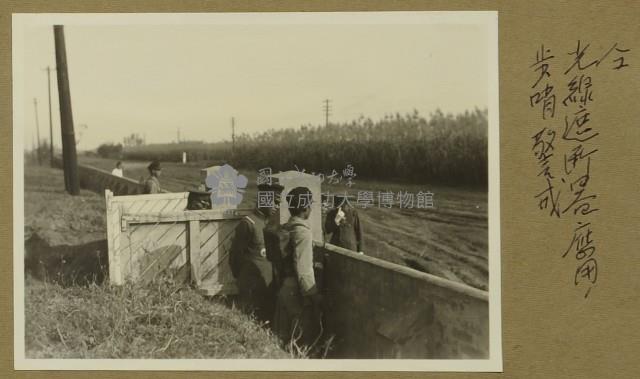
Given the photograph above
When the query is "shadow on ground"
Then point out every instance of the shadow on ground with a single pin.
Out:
(66, 264)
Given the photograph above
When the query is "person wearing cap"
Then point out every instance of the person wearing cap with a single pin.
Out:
(248, 257)
(152, 184)
(298, 304)
(344, 225)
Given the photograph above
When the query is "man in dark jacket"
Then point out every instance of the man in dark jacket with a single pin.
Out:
(249, 263)
(344, 225)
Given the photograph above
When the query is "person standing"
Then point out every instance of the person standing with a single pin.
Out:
(344, 226)
(152, 184)
(299, 302)
(248, 259)
(272, 237)
(118, 171)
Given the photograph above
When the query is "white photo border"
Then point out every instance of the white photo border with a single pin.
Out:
(489, 18)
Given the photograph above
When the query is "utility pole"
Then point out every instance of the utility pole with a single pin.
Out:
(233, 135)
(66, 116)
(50, 120)
(35, 106)
(33, 143)
(178, 135)
(327, 108)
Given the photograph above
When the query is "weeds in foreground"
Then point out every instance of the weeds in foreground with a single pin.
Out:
(319, 348)
(159, 320)
(70, 312)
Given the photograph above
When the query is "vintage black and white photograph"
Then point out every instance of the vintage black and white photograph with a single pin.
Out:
(257, 191)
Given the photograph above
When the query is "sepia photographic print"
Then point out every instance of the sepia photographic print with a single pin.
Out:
(257, 191)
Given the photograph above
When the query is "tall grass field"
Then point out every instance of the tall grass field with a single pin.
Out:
(440, 149)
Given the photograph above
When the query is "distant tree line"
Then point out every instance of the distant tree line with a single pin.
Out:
(133, 139)
(441, 149)
(110, 150)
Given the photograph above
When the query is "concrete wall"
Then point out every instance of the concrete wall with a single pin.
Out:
(379, 309)
(97, 180)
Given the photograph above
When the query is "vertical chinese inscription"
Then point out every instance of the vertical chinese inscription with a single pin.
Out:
(562, 91)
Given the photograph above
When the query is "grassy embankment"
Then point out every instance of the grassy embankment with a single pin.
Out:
(71, 311)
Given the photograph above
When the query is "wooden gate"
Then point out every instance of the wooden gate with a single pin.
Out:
(152, 234)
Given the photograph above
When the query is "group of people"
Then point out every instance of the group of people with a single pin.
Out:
(151, 183)
(278, 276)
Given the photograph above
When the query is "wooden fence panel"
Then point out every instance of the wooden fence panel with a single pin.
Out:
(150, 249)
(113, 238)
(153, 234)
(213, 270)
(161, 203)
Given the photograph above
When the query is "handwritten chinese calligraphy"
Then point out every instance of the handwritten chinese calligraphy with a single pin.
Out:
(348, 174)
(564, 149)
(544, 93)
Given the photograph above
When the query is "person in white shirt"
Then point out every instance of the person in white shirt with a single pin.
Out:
(118, 170)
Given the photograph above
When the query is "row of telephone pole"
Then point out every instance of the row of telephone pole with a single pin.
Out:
(35, 104)
(69, 156)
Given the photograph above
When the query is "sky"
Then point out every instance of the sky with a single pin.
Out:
(156, 79)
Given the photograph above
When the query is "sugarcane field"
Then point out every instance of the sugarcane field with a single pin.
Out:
(220, 191)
